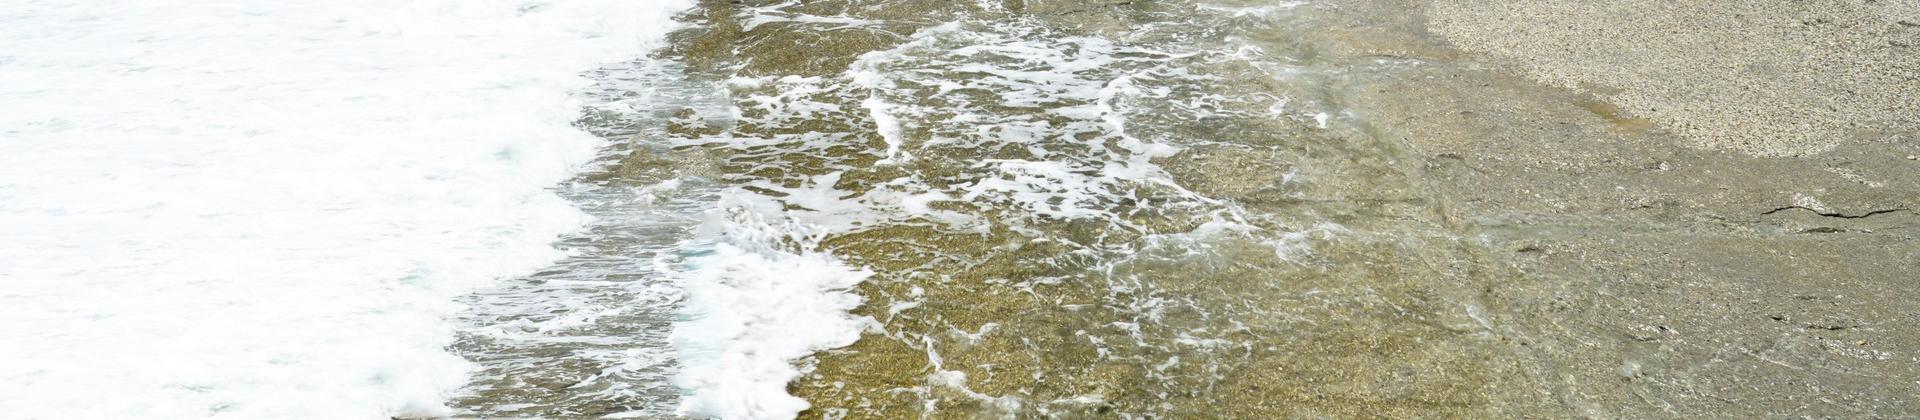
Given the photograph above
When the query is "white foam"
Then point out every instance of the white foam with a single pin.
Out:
(759, 296)
(885, 122)
(1244, 11)
(262, 209)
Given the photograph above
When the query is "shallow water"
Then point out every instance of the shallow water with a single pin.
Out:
(1006, 209)
(588, 336)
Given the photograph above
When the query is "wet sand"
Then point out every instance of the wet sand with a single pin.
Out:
(1699, 209)
(1758, 76)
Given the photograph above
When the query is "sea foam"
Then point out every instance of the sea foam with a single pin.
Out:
(761, 295)
(262, 209)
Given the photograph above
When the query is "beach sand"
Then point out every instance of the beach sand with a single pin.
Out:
(1765, 77)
